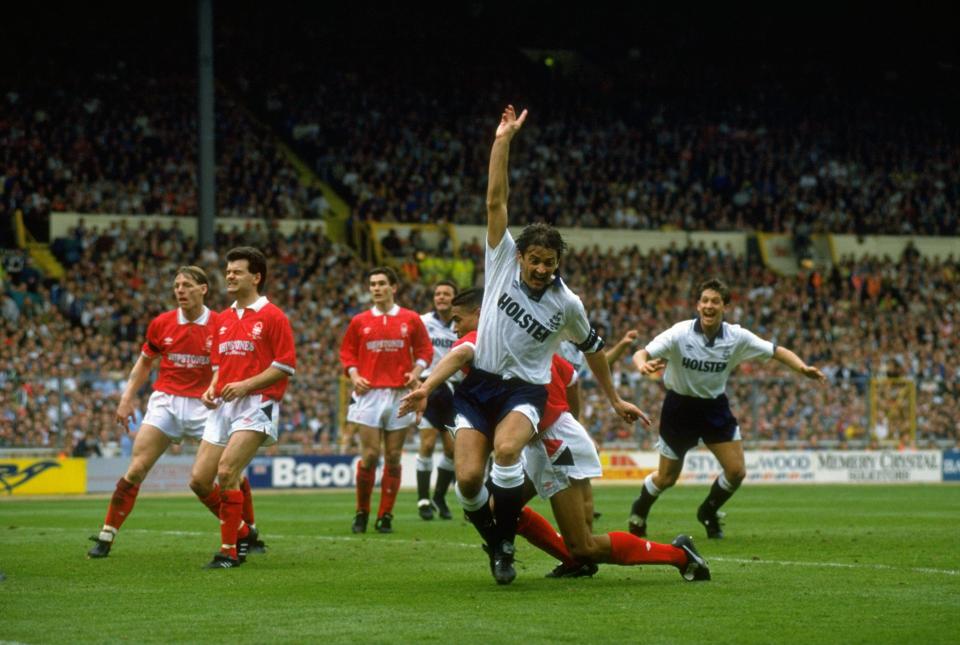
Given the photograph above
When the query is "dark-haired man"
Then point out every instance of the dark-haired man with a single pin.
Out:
(700, 354)
(526, 313)
(439, 415)
(383, 351)
(253, 357)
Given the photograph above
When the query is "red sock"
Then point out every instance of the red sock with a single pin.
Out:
(389, 487)
(231, 509)
(628, 549)
(247, 501)
(541, 534)
(212, 501)
(365, 480)
(124, 497)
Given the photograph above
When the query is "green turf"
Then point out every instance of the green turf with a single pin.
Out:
(800, 564)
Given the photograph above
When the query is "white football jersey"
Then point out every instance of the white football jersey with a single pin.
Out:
(443, 337)
(520, 331)
(700, 368)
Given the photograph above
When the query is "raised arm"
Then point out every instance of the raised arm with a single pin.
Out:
(794, 362)
(498, 184)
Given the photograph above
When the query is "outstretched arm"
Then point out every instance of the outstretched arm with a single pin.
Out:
(617, 351)
(416, 401)
(601, 371)
(795, 363)
(498, 184)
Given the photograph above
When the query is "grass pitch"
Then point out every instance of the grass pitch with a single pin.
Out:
(800, 564)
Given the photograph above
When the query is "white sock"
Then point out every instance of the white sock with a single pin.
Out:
(424, 464)
(650, 486)
(472, 503)
(507, 476)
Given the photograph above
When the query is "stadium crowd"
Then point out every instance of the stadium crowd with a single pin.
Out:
(67, 346)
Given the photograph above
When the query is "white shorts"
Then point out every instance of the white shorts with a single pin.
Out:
(562, 452)
(176, 416)
(251, 412)
(378, 409)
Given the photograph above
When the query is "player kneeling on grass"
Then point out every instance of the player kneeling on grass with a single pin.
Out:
(700, 354)
(559, 462)
(180, 340)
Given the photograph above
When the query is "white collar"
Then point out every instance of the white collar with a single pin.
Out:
(201, 320)
(257, 304)
(393, 311)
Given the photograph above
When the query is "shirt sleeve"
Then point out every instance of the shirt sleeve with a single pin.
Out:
(284, 350)
(662, 345)
(349, 356)
(152, 345)
(215, 347)
(750, 346)
(578, 328)
(501, 258)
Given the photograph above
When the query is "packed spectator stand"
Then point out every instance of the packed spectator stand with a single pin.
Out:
(649, 145)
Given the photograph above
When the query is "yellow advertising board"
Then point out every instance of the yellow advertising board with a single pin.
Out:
(50, 476)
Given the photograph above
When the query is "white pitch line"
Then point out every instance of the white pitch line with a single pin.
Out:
(465, 545)
(839, 565)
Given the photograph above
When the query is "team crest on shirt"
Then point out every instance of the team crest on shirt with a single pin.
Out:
(223, 330)
(257, 331)
(366, 330)
(555, 321)
(403, 329)
(168, 341)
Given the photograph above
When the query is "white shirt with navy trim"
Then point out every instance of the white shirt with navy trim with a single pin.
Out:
(700, 367)
(519, 330)
(442, 337)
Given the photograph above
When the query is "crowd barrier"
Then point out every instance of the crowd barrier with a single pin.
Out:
(22, 476)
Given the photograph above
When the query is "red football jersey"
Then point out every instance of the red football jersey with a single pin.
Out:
(470, 338)
(184, 350)
(562, 375)
(384, 346)
(245, 345)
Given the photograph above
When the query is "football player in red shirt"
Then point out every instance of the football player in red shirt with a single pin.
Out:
(253, 358)
(180, 341)
(383, 351)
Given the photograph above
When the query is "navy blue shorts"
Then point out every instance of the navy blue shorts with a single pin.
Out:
(440, 411)
(685, 420)
(485, 399)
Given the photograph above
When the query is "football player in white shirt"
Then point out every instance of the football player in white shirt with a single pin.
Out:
(527, 312)
(439, 415)
(699, 355)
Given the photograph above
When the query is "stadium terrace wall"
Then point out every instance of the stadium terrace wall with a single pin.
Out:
(21, 476)
(62, 223)
(617, 239)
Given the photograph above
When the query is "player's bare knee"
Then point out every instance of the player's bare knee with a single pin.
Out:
(664, 481)
(470, 482)
(136, 473)
(392, 457)
(736, 475)
(200, 487)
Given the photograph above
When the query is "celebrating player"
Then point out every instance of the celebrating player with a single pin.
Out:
(439, 414)
(700, 354)
(253, 358)
(383, 351)
(527, 312)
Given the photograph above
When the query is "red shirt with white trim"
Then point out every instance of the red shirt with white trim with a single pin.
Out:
(184, 350)
(562, 376)
(383, 346)
(470, 338)
(251, 339)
